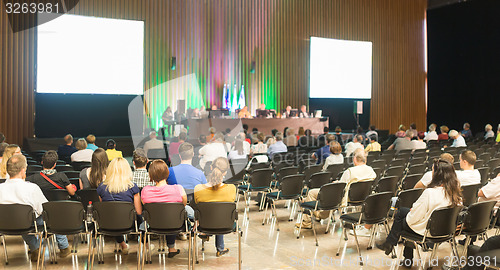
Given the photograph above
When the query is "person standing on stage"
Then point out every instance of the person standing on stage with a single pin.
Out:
(244, 113)
(287, 112)
(303, 112)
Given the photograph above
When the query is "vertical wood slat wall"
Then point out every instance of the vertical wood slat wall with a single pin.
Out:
(217, 40)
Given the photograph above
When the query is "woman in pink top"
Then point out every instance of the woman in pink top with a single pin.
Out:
(162, 192)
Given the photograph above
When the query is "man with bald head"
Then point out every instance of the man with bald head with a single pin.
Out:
(66, 150)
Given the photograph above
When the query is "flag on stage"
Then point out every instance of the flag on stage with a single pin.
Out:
(234, 99)
(241, 97)
(225, 97)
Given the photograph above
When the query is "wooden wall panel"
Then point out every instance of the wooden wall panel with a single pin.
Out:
(217, 40)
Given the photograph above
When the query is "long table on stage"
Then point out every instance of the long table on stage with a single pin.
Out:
(265, 125)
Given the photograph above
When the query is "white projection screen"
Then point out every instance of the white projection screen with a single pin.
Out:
(340, 69)
(89, 55)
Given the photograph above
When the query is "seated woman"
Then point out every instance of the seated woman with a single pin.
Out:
(118, 186)
(92, 177)
(443, 191)
(216, 191)
(162, 192)
(335, 156)
(83, 154)
(238, 152)
(10, 150)
(259, 148)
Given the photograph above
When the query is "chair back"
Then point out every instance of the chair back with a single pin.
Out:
(157, 154)
(398, 162)
(376, 207)
(34, 168)
(479, 163)
(406, 198)
(484, 175)
(310, 170)
(291, 186)
(216, 217)
(417, 169)
(2, 180)
(64, 168)
(114, 216)
(317, 180)
(379, 163)
(478, 217)
(443, 221)
(330, 195)
(64, 217)
(287, 171)
(78, 166)
(335, 170)
(53, 195)
(410, 181)
(358, 191)
(164, 216)
(261, 178)
(87, 195)
(395, 171)
(493, 163)
(469, 194)
(236, 169)
(16, 218)
(72, 174)
(387, 184)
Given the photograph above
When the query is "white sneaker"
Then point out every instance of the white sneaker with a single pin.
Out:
(362, 231)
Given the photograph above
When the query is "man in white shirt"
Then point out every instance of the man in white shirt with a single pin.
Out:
(211, 151)
(350, 147)
(432, 134)
(17, 191)
(419, 142)
(153, 142)
(491, 191)
(278, 146)
(458, 140)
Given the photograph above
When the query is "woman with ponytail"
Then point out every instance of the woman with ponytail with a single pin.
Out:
(443, 191)
(216, 191)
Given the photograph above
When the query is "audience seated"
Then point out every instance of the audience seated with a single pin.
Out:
(488, 129)
(278, 146)
(350, 147)
(246, 144)
(373, 146)
(173, 148)
(17, 191)
(427, 177)
(290, 140)
(140, 175)
(401, 131)
(211, 151)
(432, 134)
(324, 152)
(418, 142)
(10, 150)
(238, 151)
(93, 176)
(359, 172)
(2, 150)
(212, 131)
(359, 131)
(497, 140)
(444, 133)
(153, 142)
(118, 186)
(467, 133)
(307, 140)
(338, 135)
(491, 191)
(83, 154)
(413, 130)
(301, 133)
(322, 137)
(371, 132)
(458, 140)
(91, 142)
(443, 191)
(49, 178)
(185, 174)
(335, 156)
(165, 192)
(402, 143)
(111, 150)
(468, 175)
(66, 150)
(216, 191)
(259, 148)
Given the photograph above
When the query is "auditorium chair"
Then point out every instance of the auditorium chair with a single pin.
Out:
(386, 184)
(410, 181)
(258, 181)
(469, 194)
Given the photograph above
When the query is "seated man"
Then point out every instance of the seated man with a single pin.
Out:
(153, 142)
(350, 147)
(140, 175)
(185, 174)
(403, 143)
(111, 150)
(373, 146)
(17, 191)
(278, 146)
(303, 112)
(262, 112)
(66, 150)
(91, 142)
(287, 113)
(322, 153)
(244, 113)
(49, 178)
(458, 140)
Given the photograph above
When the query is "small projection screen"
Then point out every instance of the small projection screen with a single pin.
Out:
(89, 55)
(340, 69)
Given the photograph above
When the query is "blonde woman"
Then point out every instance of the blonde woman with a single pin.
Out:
(9, 151)
(216, 191)
(118, 186)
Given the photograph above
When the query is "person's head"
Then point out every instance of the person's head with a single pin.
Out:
(152, 134)
(279, 136)
(182, 137)
(467, 160)
(326, 130)
(214, 107)
(90, 139)
(359, 138)
(202, 139)
(413, 126)
(238, 146)
(212, 130)
(219, 169)
(338, 129)
(49, 159)
(359, 157)
(99, 164)
(262, 106)
(81, 144)
(68, 139)
(274, 131)
(110, 144)
(290, 132)
(16, 166)
(308, 132)
(2, 148)
(245, 128)
(448, 157)
(139, 158)
(186, 151)
(303, 108)
(372, 128)
(335, 147)
(443, 175)
(330, 138)
(373, 138)
(421, 135)
(444, 129)
(2, 138)
(488, 127)
(453, 134)
(466, 126)
(118, 176)
(255, 130)
(288, 108)
(261, 137)
(402, 127)
(158, 171)
(359, 130)
(301, 131)
(10, 150)
(432, 127)
(169, 109)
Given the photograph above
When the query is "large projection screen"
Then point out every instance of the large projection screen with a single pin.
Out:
(89, 55)
(340, 69)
